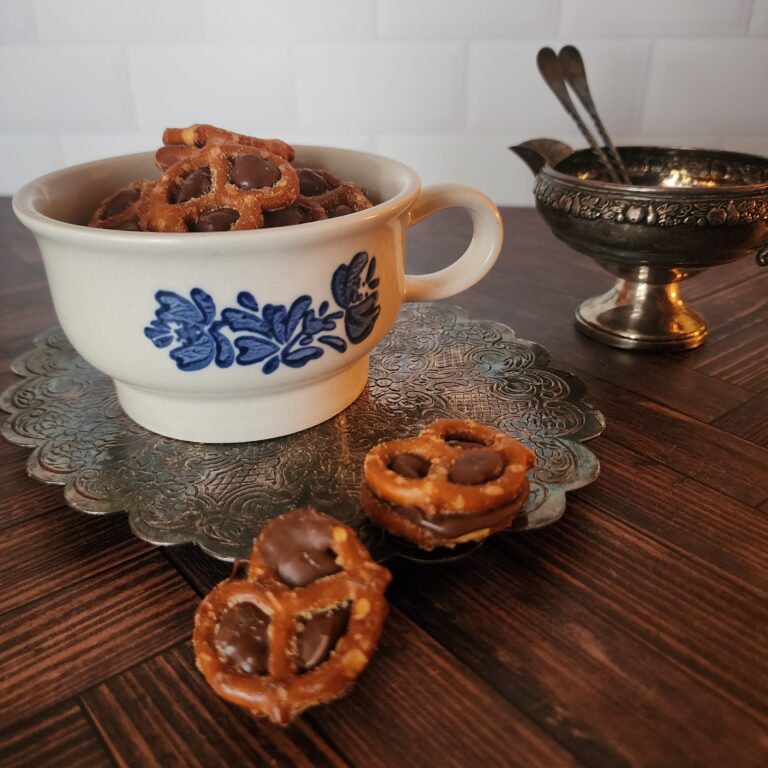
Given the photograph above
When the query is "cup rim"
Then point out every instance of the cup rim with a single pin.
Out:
(25, 199)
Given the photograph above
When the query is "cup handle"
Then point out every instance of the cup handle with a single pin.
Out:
(481, 254)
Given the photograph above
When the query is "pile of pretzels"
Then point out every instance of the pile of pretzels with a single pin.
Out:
(215, 180)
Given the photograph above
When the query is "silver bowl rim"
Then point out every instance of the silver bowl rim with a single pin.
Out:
(720, 190)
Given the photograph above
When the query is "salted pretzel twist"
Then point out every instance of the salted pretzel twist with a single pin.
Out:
(284, 691)
(181, 143)
(435, 493)
(163, 215)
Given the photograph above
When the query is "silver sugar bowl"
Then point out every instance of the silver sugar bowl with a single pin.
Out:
(686, 210)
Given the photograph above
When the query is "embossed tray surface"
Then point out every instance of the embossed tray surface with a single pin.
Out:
(435, 363)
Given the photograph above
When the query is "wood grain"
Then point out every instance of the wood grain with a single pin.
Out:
(585, 681)
(61, 738)
(162, 713)
(60, 548)
(82, 633)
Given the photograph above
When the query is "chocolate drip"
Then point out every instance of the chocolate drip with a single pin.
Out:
(242, 637)
(298, 546)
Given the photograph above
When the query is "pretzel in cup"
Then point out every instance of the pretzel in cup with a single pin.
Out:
(321, 196)
(456, 481)
(295, 625)
(123, 209)
(220, 187)
(181, 143)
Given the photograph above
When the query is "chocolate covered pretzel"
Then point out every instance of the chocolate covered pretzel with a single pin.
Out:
(456, 481)
(295, 625)
(181, 143)
(321, 196)
(220, 187)
(123, 209)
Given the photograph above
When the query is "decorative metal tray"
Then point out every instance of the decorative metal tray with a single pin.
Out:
(434, 363)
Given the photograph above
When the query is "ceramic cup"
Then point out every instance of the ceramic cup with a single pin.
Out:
(239, 336)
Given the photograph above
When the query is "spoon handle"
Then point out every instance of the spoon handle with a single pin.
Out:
(576, 75)
(552, 71)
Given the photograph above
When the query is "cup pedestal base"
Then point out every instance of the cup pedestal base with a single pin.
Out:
(641, 316)
(240, 418)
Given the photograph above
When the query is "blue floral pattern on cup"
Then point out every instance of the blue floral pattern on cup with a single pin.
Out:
(271, 334)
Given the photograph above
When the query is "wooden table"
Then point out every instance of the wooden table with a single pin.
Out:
(632, 632)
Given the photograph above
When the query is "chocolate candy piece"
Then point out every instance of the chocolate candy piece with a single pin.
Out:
(130, 226)
(119, 203)
(409, 465)
(253, 172)
(196, 184)
(318, 639)
(242, 638)
(293, 214)
(476, 467)
(219, 220)
(341, 210)
(298, 546)
(311, 183)
(446, 525)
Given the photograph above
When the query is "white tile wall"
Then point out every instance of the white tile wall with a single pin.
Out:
(656, 18)
(289, 21)
(444, 85)
(438, 19)
(26, 156)
(141, 21)
(380, 86)
(17, 22)
(759, 25)
(712, 84)
(55, 89)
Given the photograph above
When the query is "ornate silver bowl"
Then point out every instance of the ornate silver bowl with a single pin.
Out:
(687, 209)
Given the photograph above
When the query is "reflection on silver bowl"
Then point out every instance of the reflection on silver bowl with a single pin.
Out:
(686, 210)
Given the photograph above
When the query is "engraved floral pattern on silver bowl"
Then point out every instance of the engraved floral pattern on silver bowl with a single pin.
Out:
(435, 363)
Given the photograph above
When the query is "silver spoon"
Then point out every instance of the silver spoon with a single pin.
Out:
(576, 75)
(552, 71)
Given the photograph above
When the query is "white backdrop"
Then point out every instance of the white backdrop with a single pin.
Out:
(443, 85)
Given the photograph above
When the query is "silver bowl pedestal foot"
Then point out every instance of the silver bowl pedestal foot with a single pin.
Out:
(638, 315)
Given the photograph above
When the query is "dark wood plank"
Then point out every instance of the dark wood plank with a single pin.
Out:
(725, 463)
(61, 737)
(23, 498)
(601, 693)
(70, 640)
(748, 421)
(740, 358)
(414, 689)
(59, 549)
(162, 713)
(706, 527)
(441, 714)
(712, 629)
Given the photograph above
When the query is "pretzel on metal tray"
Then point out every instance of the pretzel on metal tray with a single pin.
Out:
(456, 481)
(220, 187)
(297, 624)
(123, 209)
(181, 143)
